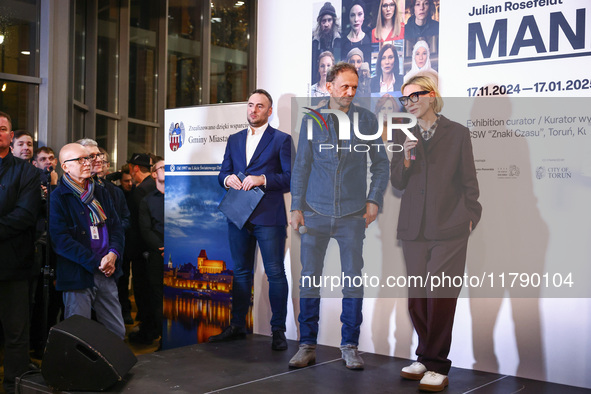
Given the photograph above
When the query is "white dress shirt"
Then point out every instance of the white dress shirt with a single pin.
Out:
(252, 140)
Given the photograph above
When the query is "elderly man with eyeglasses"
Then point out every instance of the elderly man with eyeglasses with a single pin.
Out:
(88, 239)
(97, 165)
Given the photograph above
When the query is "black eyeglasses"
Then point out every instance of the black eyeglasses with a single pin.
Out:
(80, 160)
(413, 97)
(95, 155)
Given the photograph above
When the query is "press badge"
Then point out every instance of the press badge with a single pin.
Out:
(94, 232)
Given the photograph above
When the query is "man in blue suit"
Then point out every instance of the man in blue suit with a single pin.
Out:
(263, 155)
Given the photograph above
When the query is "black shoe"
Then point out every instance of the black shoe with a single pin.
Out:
(229, 334)
(279, 342)
(140, 338)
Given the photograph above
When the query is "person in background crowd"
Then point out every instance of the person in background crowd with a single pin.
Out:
(139, 169)
(119, 201)
(43, 159)
(88, 246)
(151, 220)
(106, 164)
(19, 206)
(22, 145)
(127, 186)
(96, 170)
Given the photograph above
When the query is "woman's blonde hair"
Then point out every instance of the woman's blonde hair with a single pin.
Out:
(397, 21)
(426, 83)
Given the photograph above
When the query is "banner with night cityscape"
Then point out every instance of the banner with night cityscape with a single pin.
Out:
(198, 268)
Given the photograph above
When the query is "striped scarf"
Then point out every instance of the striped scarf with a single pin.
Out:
(97, 214)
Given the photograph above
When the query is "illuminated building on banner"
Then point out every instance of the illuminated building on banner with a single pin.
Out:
(210, 278)
(206, 266)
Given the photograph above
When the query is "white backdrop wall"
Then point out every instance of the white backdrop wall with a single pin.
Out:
(541, 338)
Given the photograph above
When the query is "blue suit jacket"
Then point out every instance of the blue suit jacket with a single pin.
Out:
(271, 158)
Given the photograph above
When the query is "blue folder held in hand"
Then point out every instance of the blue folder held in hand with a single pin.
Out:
(238, 205)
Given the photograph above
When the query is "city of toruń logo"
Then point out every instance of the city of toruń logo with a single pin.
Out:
(553, 172)
(176, 136)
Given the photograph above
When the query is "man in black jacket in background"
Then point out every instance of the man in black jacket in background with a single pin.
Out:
(139, 169)
(151, 221)
(20, 199)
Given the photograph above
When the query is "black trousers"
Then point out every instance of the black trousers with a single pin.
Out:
(14, 315)
(432, 309)
(123, 286)
(152, 322)
(141, 291)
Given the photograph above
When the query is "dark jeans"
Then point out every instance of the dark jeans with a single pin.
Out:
(14, 315)
(349, 232)
(271, 240)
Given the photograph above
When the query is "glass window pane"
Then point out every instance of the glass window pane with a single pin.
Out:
(143, 59)
(19, 37)
(80, 50)
(230, 39)
(184, 48)
(140, 139)
(108, 55)
(106, 135)
(78, 129)
(20, 101)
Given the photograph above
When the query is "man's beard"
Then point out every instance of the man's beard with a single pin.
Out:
(325, 38)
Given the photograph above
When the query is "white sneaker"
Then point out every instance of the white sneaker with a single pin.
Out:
(433, 382)
(414, 371)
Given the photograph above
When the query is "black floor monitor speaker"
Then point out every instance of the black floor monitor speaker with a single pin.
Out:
(82, 354)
